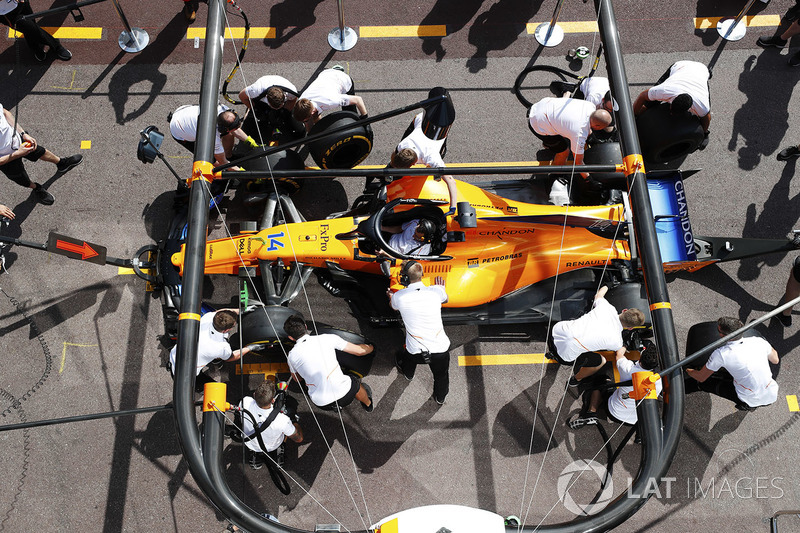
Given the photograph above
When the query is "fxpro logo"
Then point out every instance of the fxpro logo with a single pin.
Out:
(578, 475)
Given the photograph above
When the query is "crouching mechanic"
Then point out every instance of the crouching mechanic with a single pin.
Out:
(564, 124)
(417, 147)
(621, 408)
(212, 344)
(575, 342)
(331, 89)
(420, 307)
(313, 358)
(270, 101)
(685, 88)
(183, 128)
(268, 428)
(749, 382)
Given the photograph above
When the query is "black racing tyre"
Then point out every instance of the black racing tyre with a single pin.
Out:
(345, 149)
(606, 153)
(561, 73)
(630, 296)
(283, 160)
(264, 325)
(664, 137)
(359, 366)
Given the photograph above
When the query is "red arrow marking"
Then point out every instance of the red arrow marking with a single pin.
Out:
(84, 249)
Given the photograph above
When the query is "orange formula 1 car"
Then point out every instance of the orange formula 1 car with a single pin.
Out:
(503, 260)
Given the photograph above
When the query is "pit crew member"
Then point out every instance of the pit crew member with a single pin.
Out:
(332, 88)
(750, 381)
(277, 430)
(685, 87)
(420, 307)
(575, 342)
(313, 358)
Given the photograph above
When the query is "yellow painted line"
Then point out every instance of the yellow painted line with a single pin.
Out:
(63, 32)
(791, 399)
(508, 359)
(585, 26)
(262, 368)
(402, 31)
(124, 271)
(234, 33)
(86, 145)
(705, 23)
(64, 352)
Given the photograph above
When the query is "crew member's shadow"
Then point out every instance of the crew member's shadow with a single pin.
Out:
(511, 434)
(142, 67)
(456, 14)
(498, 28)
(295, 14)
(761, 123)
(768, 226)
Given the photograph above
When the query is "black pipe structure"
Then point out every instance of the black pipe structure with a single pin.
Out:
(204, 458)
(658, 446)
(399, 172)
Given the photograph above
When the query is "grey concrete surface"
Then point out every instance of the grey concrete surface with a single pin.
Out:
(78, 338)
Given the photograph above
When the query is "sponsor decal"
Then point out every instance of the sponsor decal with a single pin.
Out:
(323, 237)
(274, 243)
(523, 231)
(472, 262)
(585, 263)
(501, 258)
(686, 226)
(511, 209)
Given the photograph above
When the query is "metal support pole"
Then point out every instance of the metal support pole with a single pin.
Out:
(734, 29)
(342, 38)
(550, 33)
(131, 39)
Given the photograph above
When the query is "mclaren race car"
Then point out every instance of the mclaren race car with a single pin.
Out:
(503, 259)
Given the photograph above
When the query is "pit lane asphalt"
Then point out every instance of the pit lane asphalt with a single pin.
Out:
(90, 336)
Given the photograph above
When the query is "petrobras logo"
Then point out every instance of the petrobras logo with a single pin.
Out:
(574, 480)
(472, 262)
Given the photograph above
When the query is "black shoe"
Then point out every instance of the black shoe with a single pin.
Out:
(63, 54)
(785, 320)
(40, 54)
(744, 407)
(255, 464)
(371, 406)
(437, 400)
(560, 87)
(794, 61)
(774, 41)
(573, 382)
(42, 196)
(788, 153)
(68, 163)
(587, 419)
(400, 369)
(704, 143)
